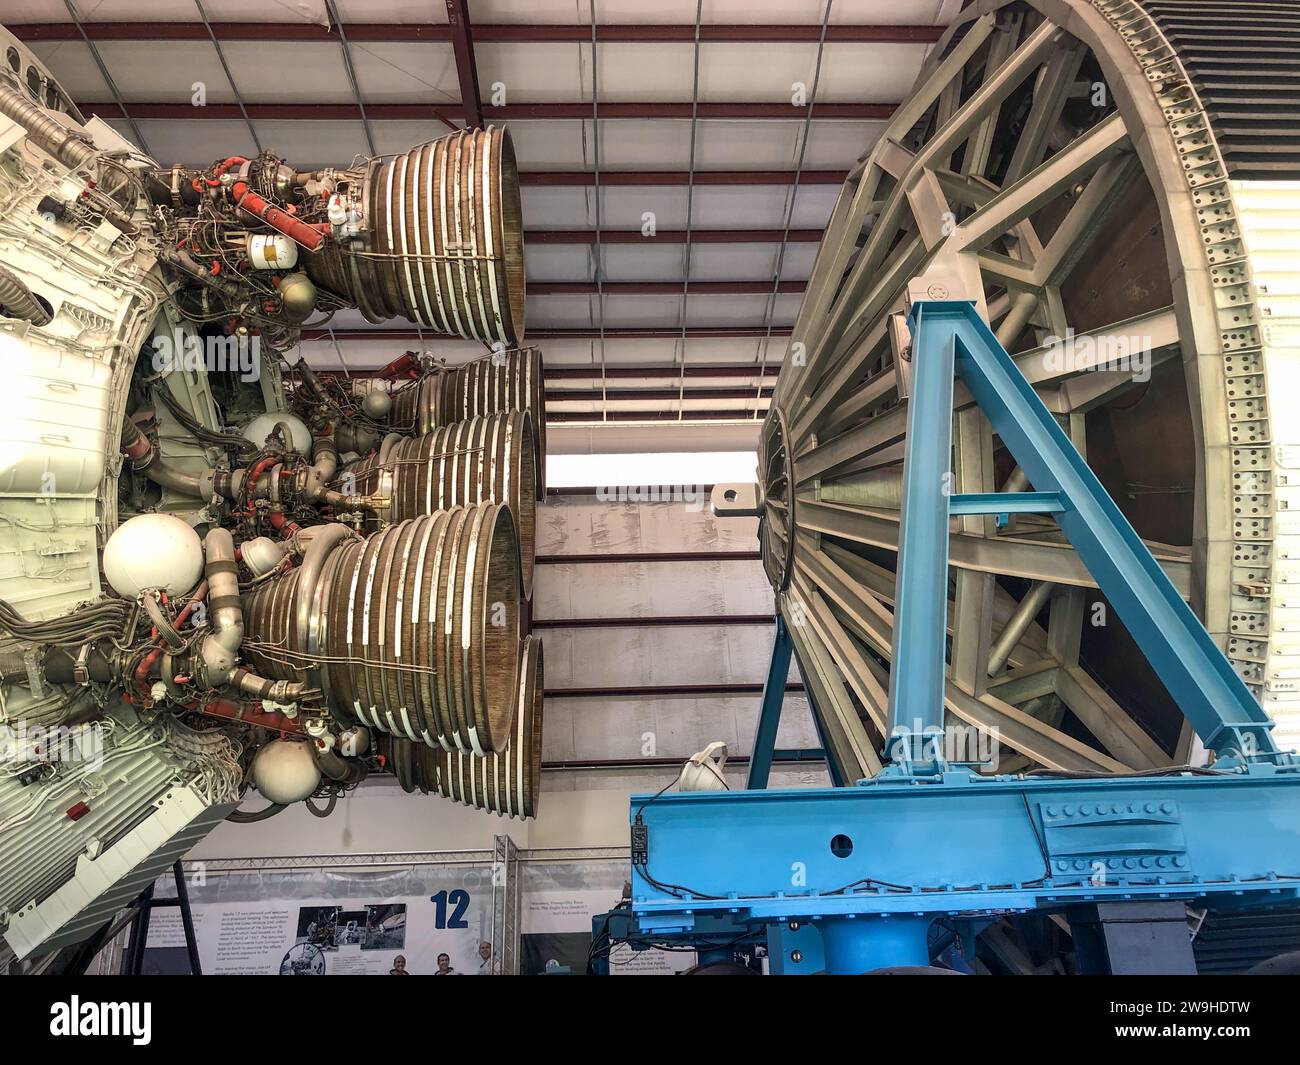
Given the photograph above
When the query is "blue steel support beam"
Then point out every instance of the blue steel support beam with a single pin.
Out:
(1006, 503)
(916, 676)
(1213, 698)
(769, 714)
(965, 849)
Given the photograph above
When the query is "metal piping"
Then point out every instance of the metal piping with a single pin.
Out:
(325, 462)
(336, 768)
(71, 148)
(145, 459)
(17, 299)
(323, 541)
(1030, 607)
(219, 652)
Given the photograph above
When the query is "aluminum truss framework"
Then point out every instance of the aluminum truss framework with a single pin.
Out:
(505, 907)
(829, 450)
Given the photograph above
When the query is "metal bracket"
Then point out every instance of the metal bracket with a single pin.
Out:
(736, 501)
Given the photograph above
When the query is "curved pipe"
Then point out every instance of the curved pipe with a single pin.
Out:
(144, 459)
(323, 541)
(242, 817)
(325, 463)
(18, 300)
(220, 650)
(225, 607)
(337, 768)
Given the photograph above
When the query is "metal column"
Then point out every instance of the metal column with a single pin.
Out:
(769, 714)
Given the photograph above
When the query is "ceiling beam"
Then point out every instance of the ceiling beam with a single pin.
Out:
(766, 374)
(406, 112)
(672, 236)
(462, 45)
(598, 417)
(625, 373)
(656, 288)
(640, 178)
(397, 33)
(725, 332)
(619, 395)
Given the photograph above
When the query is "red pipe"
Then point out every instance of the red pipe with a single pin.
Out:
(141, 676)
(255, 474)
(139, 449)
(249, 714)
(400, 367)
(309, 236)
(286, 528)
(200, 593)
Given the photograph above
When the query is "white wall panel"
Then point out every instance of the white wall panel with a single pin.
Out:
(583, 525)
(670, 727)
(657, 655)
(650, 589)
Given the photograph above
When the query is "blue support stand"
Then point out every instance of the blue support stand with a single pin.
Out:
(769, 714)
(872, 867)
(951, 338)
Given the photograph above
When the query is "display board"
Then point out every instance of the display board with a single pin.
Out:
(560, 900)
(419, 919)
(433, 919)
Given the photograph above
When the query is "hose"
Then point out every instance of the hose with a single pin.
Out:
(199, 431)
(166, 631)
(99, 620)
(336, 768)
(17, 299)
(328, 809)
(243, 817)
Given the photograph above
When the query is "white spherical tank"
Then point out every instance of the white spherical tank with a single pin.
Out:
(285, 771)
(264, 424)
(261, 554)
(153, 551)
(377, 403)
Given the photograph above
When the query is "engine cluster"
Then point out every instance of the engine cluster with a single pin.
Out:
(222, 570)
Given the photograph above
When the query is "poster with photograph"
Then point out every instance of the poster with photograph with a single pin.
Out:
(286, 923)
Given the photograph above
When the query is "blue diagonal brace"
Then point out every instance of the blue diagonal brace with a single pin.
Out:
(769, 713)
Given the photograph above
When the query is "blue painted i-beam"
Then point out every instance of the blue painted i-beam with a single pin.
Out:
(769, 713)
